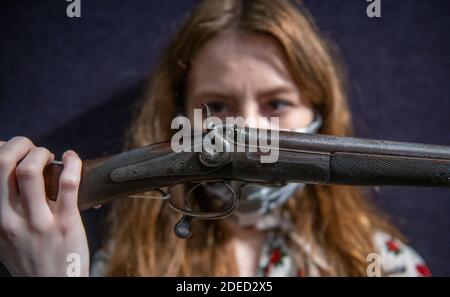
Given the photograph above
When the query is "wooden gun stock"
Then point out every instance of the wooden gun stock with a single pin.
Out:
(52, 173)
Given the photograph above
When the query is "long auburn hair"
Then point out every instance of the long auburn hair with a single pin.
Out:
(336, 218)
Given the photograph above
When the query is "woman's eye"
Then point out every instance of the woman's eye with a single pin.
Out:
(217, 107)
(278, 105)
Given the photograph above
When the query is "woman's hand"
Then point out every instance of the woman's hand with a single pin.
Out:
(39, 237)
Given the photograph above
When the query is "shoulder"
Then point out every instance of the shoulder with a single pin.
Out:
(397, 258)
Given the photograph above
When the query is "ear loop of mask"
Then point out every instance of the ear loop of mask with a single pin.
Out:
(313, 127)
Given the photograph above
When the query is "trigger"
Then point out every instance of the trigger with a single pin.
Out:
(183, 229)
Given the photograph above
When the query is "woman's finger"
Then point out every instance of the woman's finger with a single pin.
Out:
(69, 183)
(11, 153)
(30, 180)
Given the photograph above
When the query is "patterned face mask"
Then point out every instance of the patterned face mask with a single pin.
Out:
(260, 205)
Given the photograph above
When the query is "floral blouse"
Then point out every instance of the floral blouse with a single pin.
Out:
(395, 258)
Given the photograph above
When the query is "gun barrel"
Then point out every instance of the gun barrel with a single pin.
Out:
(359, 161)
(332, 144)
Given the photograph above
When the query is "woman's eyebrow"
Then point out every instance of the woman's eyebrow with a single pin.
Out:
(218, 94)
(202, 94)
(276, 90)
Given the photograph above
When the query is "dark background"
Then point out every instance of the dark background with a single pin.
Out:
(70, 83)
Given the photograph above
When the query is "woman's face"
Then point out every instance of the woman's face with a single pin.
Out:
(246, 75)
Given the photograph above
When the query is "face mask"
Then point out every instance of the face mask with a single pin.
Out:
(260, 205)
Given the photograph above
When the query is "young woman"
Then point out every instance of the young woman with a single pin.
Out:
(258, 58)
